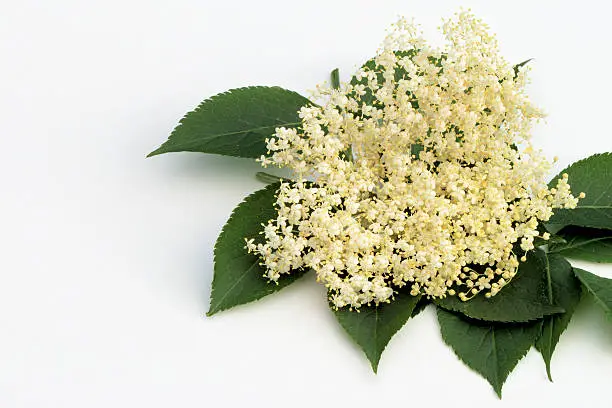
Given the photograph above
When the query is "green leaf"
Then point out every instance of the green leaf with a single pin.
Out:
(239, 278)
(373, 326)
(236, 122)
(563, 290)
(593, 176)
(589, 244)
(490, 349)
(600, 288)
(523, 299)
(420, 306)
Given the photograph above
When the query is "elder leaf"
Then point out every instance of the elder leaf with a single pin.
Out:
(490, 349)
(239, 278)
(563, 290)
(600, 288)
(236, 122)
(592, 176)
(373, 326)
(524, 299)
(589, 244)
(420, 306)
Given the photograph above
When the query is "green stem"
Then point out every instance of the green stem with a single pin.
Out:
(335, 79)
(267, 177)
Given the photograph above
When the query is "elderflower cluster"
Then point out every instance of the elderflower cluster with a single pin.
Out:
(418, 174)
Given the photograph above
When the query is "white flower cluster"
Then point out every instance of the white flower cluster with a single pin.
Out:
(417, 174)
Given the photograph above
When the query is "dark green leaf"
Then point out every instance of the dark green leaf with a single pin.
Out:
(593, 176)
(373, 326)
(490, 349)
(563, 290)
(420, 306)
(588, 244)
(236, 122)
(239, 278)
(529, 285)
(600, 288)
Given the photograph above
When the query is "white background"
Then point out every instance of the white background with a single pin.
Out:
(106, 258)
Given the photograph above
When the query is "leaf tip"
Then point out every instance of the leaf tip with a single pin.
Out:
(374, 359)
(213, 309)
(374, 365)
(155, 152)
(498, 390)
(548, 373)
(546, 356)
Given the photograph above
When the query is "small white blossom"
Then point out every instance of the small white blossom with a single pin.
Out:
(440, 183)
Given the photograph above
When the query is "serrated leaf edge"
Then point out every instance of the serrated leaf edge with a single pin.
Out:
(213, 310)
(605, 307)
(384, 347)
(375, 361)
(554, 309)
(204, 107)
(498, 390)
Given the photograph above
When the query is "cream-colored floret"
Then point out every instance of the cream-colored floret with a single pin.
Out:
(425, 180)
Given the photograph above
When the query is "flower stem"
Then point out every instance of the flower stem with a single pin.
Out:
(267, 177)
(335, 83)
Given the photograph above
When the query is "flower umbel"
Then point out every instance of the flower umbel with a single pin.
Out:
(419, 173)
